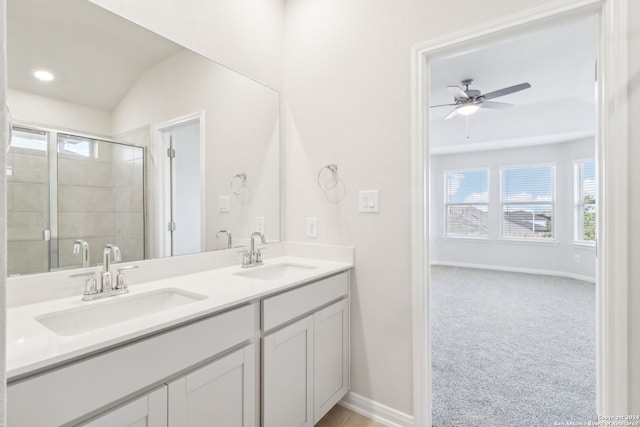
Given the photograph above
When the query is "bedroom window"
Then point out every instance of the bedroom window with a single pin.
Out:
(467, 203)
(528, 202)
(584, 201)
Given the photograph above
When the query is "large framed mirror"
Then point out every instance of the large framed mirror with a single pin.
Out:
(129, 140)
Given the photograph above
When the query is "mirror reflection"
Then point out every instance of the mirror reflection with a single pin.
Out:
(131, 140)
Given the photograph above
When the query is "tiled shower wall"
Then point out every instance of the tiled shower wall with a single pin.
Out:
(27, 211)
(128, 177)
(133, 234)
(100, 200)
(86, 203)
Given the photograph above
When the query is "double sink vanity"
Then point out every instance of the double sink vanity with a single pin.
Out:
(190, 338)
(231, 346)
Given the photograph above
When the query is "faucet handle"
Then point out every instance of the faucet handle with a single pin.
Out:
(121, 278)
(258, 257)
(247, 259)
(90, 284)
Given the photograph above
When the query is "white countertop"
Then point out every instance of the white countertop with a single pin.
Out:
(32, 347)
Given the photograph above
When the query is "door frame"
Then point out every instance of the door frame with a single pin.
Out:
(611, 156)
(158, 152)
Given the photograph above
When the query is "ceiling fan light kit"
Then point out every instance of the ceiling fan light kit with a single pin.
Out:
(467, 108)
(468, 101)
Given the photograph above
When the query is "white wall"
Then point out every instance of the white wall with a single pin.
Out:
(634, 206)
(347, 100)
(47, 112)
(244, 35)
(241, 135)
(544, 257)
(4, 134)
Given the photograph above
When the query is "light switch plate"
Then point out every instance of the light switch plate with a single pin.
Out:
(223, 204)
(368, 201)
(312, 226)
(260, 224)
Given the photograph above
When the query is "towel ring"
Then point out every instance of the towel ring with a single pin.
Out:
(333, 181)
(238, 182)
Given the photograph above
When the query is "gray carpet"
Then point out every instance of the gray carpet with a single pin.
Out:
(511, 349)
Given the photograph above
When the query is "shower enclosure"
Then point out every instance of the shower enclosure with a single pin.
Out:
(62, 188)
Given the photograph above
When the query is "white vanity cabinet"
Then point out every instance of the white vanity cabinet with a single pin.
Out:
(305, 360)
(221, 393)
(149, 410)
(72, 393)
(330, 357)
(287, 363)
(280, 359)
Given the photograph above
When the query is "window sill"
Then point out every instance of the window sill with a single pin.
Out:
(536, 242)
(583, 244)
(466, 239)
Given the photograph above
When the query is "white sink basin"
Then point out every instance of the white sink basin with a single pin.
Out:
(275, 271)
(121, 309)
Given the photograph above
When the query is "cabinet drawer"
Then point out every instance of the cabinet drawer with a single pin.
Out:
(89, 385)
(289, 305)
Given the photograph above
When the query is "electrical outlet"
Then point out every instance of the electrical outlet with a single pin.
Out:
(223, 204)
(260, 224)
(312, 227)
(576, 259)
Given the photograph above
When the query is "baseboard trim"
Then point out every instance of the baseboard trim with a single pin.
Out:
(376, 411)
(516, 270)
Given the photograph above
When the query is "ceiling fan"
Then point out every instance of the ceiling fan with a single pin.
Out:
(468, 101)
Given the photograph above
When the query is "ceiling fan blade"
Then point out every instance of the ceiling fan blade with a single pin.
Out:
(506, 91)
(451, 114)
(496, 105)
(443, 105)
(457, 92)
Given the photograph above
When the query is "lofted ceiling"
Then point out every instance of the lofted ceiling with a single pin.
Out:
(95, 55)
(558, 62)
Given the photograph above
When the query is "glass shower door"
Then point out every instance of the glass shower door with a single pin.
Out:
(28, 218)
(100, 198)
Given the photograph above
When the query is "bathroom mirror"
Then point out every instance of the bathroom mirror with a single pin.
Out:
(136, 141)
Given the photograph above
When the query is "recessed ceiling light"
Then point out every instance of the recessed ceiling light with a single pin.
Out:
(43, 75)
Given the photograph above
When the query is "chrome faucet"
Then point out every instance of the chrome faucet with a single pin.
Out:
(85, 251)
(253, 257)
(228, 233)
(106, 284)
(105, 287)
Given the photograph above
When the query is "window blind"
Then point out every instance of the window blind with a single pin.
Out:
(528, 202)
(584, 201)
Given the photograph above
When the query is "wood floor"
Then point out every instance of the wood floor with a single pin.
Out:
(340, 416)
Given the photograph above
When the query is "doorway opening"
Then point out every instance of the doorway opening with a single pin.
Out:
(512, 223)
(181, 203)
(610, 207)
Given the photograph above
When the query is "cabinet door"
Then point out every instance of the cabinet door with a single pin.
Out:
(288, 376)
(222, 393)
(331, 356)
(147, 411)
